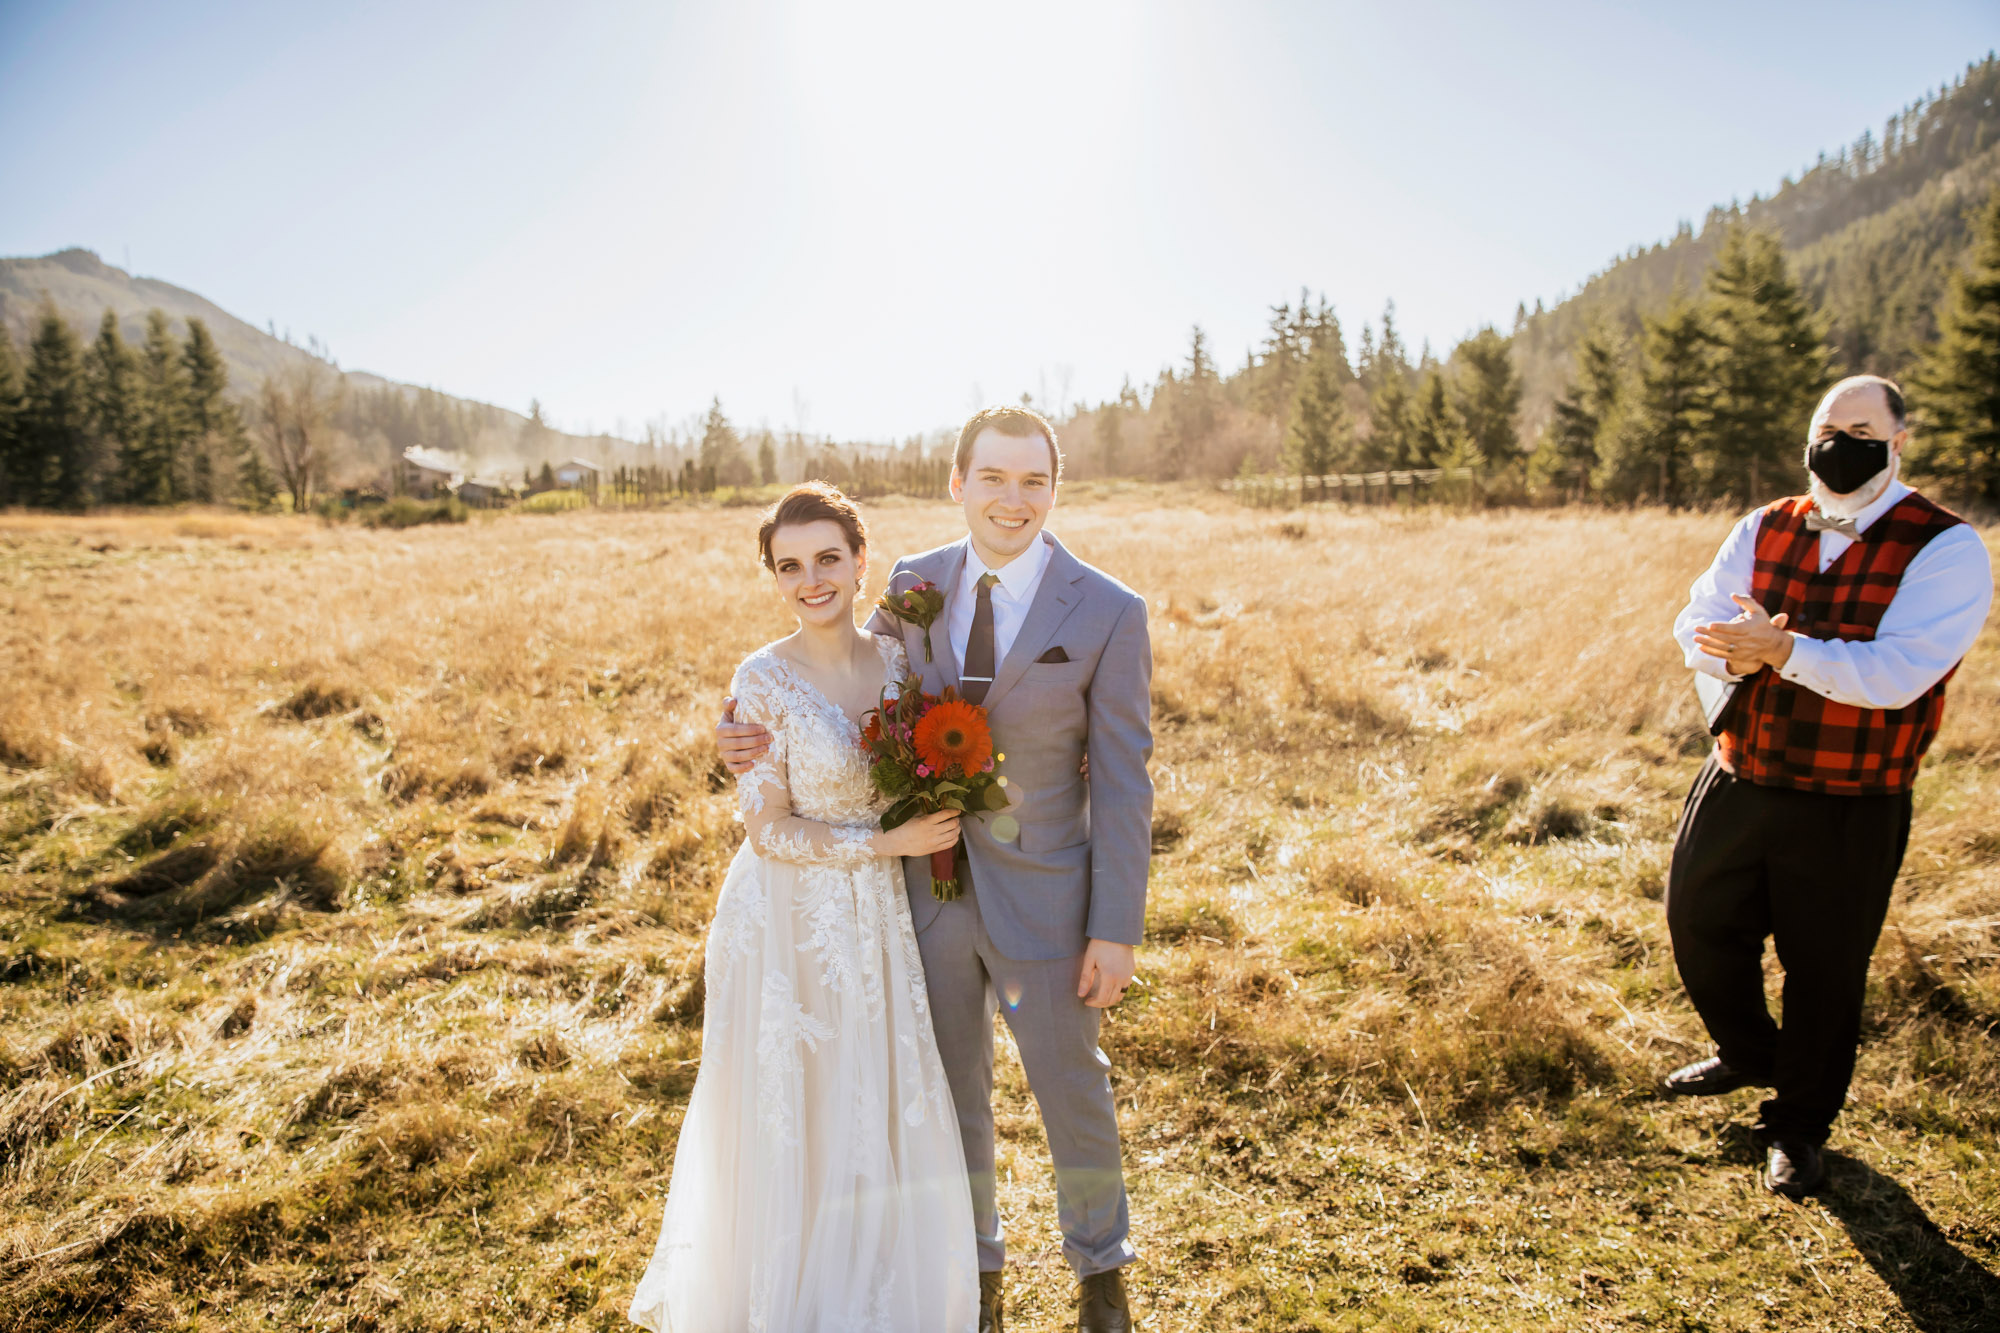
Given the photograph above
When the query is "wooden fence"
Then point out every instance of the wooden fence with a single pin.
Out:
(1441, 483)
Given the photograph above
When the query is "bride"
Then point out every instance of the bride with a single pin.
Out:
(818, 1183)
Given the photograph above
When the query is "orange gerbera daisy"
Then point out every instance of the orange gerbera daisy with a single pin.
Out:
(954, 734)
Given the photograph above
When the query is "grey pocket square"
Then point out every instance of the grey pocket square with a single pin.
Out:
(1053, 656)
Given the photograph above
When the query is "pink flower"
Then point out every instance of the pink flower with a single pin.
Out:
(923, 770)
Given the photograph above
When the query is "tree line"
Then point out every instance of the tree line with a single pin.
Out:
(1874, 232)
(1682, 373)
(1708, 401)
(114, 422)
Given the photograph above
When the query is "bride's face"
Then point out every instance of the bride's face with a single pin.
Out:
(817, 573)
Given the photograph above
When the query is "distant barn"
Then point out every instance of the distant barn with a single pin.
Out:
(486, 492)
(579, 474)
(428, 474)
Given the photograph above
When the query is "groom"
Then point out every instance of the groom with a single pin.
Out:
(1059, 655)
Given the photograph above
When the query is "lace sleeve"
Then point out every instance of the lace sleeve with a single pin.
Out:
(895, 660)
(764, 794)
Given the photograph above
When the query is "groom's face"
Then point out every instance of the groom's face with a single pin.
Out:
(1007, 492)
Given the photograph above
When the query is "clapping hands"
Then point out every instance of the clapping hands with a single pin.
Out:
(1754, 640)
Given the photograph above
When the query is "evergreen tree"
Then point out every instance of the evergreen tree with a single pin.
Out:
(116, 406)
(1320, 334)
(55, 418)
(1489, 396)
(1768, 365)
(535, 433)
(255, 484)
(1192, 408)
(1959, 379)
(159, 475)
(1439, 437)
(1109, 430)
(1392, 436)
(13, 467)
(1383, 360)
(767, 459)
(1320, 436)
(1278, 367)
(220, 443)
(1670, 415)
(722, 461)
(1584, 416)
(1385, 375)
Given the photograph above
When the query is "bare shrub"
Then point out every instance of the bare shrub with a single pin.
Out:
(543, 1050)
(346, 1091)
(1199, 920)
(318, 698)
(238, 1019)
(685, 998)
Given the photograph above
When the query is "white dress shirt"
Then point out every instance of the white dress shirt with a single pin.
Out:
(1927, 628)
(1019, 578)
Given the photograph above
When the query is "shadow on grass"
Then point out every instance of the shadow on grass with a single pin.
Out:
(1942, 1289)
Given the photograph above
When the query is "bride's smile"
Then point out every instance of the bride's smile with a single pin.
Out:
(818, 576)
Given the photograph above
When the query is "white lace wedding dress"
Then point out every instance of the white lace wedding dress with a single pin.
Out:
(818, 1184)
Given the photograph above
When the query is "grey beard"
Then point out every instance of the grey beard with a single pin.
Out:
(1856, 500)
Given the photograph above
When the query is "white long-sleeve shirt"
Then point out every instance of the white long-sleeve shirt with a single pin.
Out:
(1020, 578)
(1927, 628)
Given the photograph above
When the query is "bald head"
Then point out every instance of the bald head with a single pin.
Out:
(1864, 405)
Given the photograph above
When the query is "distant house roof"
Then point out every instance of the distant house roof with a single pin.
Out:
(491, 483)
(430, 460)
(583, 462)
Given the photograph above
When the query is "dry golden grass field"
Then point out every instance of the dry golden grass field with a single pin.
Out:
(352, 888)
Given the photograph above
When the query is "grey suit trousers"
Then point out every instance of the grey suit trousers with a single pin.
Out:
(1070, 1076)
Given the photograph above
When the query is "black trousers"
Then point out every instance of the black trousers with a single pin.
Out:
(1812, 873)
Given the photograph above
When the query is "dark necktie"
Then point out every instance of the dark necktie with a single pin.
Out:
(978, 674)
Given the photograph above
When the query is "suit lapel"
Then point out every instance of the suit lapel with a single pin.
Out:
(951, 567)
(1054, 600)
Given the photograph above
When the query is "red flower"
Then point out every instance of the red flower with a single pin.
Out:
(954, 734)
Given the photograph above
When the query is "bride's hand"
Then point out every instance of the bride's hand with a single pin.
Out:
(920, 836)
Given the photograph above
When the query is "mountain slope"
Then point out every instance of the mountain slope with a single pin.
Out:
(83, 287)
(1873, 235)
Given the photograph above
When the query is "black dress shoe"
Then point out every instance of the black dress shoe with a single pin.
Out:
(1795, 1168)
(991, 1319)
(1705, 1078)
(1101, 1306)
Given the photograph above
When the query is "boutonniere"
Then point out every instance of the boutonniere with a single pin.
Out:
(920, 604)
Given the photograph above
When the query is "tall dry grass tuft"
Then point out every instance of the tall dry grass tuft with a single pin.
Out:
(354, 882)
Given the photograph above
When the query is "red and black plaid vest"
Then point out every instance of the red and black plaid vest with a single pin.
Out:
(1784, 735)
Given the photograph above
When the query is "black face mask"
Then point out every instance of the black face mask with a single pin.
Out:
(1846, 462)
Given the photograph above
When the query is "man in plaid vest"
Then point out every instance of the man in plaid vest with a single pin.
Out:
(1834, 620)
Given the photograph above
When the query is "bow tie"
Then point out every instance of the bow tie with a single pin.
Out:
(1819, 522)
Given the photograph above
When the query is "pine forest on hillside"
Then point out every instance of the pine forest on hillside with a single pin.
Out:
(1681, 373)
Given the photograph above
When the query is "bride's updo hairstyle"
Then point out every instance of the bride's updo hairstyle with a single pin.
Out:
(809, 502)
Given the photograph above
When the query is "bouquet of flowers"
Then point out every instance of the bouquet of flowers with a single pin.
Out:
(934, 753)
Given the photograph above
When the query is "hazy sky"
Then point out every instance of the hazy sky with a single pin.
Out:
(864, 219)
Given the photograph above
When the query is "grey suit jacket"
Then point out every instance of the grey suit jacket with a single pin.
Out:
(1077, 871)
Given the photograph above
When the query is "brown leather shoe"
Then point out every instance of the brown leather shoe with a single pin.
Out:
(1101, 1306)
(991, 1318)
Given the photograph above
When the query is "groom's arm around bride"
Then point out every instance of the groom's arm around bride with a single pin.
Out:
(1054, 900)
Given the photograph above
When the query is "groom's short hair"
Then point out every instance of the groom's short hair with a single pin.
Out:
(1016, 421)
